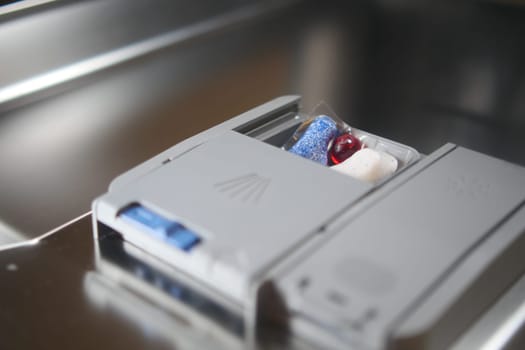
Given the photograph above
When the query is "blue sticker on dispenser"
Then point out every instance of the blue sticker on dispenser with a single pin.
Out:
(183, 239)
(170, 231)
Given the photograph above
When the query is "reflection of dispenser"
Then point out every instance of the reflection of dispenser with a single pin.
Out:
(152, 320)
(143, 293)
(245, 233)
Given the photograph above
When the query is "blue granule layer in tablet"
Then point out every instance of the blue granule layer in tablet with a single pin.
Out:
(314, 142)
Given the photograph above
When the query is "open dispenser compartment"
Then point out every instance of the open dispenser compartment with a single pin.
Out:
(234, 224)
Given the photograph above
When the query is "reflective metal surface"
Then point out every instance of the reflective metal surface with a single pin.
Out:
(10, 6)
(499, 328)
(107, 122)
(53, 297)
(45, 302)
(75, 62)
(419, 73)
(422, 73)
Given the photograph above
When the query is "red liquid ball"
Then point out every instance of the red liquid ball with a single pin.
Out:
(343, 147)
